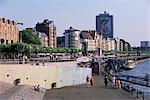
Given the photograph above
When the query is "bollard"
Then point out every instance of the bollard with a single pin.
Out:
(147, 78)
(143, 95)
(132, 90)
(137, 93)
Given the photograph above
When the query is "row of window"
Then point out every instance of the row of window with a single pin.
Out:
(7, 21)
(2, 41)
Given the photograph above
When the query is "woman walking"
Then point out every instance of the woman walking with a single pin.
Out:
(88, 84)
(91, 81)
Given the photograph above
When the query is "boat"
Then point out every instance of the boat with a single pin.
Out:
(129, 65)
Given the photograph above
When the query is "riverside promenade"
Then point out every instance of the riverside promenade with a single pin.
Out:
(96, 92)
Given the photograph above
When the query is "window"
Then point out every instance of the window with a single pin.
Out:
(13, 22)
(3, 20)
(8, 21)
(11, 41)
(6, 41)
(2, 41)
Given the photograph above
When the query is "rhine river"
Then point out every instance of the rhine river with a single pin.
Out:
(140, 70)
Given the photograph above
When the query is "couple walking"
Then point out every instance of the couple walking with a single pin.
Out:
(115, 82)
(89, 81)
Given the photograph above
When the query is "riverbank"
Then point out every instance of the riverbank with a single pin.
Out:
(96, 92)
(140, 61)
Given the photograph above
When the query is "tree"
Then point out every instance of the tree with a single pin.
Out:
(30, 38)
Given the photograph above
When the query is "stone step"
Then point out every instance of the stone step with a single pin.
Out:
(4, 87)
(9, 93)
(19, 94)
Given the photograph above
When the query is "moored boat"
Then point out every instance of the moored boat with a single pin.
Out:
(129, 65)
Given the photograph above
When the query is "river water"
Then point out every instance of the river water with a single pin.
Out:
(140, 70)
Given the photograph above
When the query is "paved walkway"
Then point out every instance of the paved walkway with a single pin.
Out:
(22, 92)
(97, 92)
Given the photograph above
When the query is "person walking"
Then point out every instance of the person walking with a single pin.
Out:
(118, 83)
(91, 81)
(114, 82)
(105, 81)
(88, 84)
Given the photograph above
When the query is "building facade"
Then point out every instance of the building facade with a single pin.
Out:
(9, 32)
(104, 24)
(127, 46)
(88, 37)
(104, 44)
(117, 44)
(61, 42)
(145, 44)
(43, 38)
(49, 28)
(111, 44)
(72, 38)
(121, 45)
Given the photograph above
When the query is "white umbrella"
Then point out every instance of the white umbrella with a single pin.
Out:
(83, 59)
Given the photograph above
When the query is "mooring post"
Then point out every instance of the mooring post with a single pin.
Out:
(132, 90)
(143, 95)
(137, 92)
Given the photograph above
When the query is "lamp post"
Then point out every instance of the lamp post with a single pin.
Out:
(30, 52)
(44, 56)
(38, 53)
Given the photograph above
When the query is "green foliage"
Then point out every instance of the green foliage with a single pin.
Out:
(11, 50)
(21, 49)
(92, 51)
(30, 38)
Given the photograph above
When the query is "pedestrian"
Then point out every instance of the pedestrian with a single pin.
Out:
(43, 63)
(91, 81)
(114, 82)
(37, 88)
(118, 83)
(88, 84)
(105, 81)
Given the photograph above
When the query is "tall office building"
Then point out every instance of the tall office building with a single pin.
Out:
(49, 28)
(9, 32)
(104, 24)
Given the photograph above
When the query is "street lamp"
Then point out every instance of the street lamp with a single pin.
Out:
(38, 53)
(44, 56)
(30, 52)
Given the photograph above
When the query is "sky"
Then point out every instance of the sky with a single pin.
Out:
(131, 17)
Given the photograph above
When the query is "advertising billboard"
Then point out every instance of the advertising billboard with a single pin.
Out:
(106, 25)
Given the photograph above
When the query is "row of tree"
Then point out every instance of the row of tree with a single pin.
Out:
(32, 45)
(20, 49)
